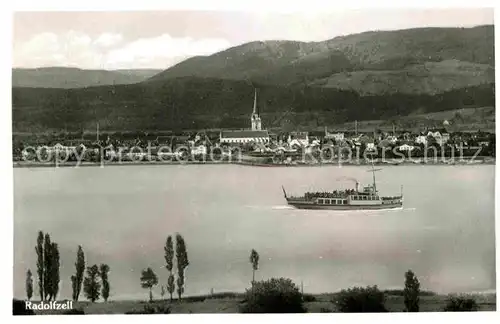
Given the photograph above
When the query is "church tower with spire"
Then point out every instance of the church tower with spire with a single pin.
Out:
(256, 122)
(255, 135)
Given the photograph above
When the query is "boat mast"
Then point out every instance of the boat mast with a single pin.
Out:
(284, 192)
(374, 182)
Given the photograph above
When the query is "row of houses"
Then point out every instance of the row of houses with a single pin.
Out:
(406, 140)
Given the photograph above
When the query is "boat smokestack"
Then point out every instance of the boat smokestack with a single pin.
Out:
(357, 186)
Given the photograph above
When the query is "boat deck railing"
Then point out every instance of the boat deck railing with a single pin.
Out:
(334, 194)
(298, 198)
(307, 197)
(391, 198)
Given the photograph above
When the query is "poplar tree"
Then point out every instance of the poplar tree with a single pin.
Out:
(169, 259)
(103, 271)
(47, 267)
(411, 292)
(40, 265)
(80, 269)
(254, 260)
(91, 284)
(54, 271)
(29, 285)
(162, 292)
(48, 264)
(73, 288)
(182, 263)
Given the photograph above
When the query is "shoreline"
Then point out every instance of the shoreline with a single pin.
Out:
(228, 302)
(389, 162)
(235, 294)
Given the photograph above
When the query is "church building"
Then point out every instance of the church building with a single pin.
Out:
(253, 135)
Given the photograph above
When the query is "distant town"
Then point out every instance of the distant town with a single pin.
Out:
(258, 146)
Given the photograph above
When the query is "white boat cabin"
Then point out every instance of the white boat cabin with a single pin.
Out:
(331, 201)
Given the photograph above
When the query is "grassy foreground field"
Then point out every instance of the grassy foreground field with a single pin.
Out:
(230, 303)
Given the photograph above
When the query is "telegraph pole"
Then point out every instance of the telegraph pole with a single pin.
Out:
(97, 131)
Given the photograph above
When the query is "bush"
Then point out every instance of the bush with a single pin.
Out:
(194, 299)
(148, 309)
(74, 311)
(19, 308)
(308, 298)
(400, 292)
(274, 296)
(461, 303)
(360, 300)
(223, 295)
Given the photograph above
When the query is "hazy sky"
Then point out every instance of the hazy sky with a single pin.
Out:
(112, 40)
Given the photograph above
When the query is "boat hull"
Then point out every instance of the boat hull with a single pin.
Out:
(312, 205)
(256, 158)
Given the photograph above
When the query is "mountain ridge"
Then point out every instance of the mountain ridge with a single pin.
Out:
(74, 77)
(280, 62)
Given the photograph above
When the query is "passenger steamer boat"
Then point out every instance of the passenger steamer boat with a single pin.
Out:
(350, 199)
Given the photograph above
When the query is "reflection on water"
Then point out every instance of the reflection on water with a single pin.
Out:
(122, 216)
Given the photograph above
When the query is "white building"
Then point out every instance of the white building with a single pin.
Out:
(60, 148)
(392, 139)
(441, 137)
(244, 136)
(421, 139)
(371, 146)
(335, 136)
(199, 150)
(406, 148)
(298, 138)
(254, 135)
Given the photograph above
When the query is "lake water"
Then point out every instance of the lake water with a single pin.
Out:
(122, 215)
